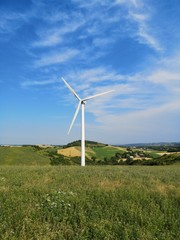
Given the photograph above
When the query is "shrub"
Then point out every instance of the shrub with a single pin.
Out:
(56, 160)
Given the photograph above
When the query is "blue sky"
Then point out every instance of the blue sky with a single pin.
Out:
(131, 46)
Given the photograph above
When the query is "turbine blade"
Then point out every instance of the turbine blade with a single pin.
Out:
(97, 95)
(75, 115)
(70, 88)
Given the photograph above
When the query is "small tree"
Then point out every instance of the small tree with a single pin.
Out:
(105, 160)
(118, 155)
(129, 160)
(56, 160)
(93, 158)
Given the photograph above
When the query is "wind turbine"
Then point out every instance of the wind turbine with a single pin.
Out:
(81, 104)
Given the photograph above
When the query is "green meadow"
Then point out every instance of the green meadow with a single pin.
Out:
(26, 156)
(107, 151)
(93, 202)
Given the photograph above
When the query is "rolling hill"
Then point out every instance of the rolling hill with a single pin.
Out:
(96, 153)
(29, 155)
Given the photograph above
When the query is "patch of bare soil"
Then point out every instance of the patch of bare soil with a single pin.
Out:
(70, 152)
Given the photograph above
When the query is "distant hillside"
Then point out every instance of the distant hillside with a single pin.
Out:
(96, 153)
(92, 151)
(88, 144)
(161, 146)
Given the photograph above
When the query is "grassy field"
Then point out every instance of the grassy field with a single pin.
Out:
(23, 156)
(108, 151)
(95, 202)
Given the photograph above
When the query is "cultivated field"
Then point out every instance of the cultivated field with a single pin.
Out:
(70, 152)
(95, 202)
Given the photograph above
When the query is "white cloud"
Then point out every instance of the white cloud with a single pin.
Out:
(56, 35)
(49, 40)
(29, 83)
(91, 4)
(10, 21)
(96, 75)
(153, 124)
(144, 33)
(149, 97)
(130, 3)
(100, 42)
(56, 58)
(142, 16)
(165, 77)
(149, 125)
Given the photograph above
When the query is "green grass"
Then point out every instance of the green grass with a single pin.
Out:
(26, 155)
(95, 202)
(23, 156)
(101, 152)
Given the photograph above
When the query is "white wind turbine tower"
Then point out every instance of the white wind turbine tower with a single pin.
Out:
(81, 104)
